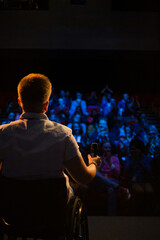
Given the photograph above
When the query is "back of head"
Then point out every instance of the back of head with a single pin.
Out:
(34, 91)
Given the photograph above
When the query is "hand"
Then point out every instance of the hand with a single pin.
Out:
(96, 159)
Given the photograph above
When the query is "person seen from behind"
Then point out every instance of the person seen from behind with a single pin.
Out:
(34, 147)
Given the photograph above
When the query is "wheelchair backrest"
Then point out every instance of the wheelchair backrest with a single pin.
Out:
(34, 206)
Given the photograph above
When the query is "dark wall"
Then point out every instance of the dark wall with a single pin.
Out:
(131, 71)
(91, 45)
(95, 25)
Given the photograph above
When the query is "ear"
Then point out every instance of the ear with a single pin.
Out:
(46, 106)
(19, 102)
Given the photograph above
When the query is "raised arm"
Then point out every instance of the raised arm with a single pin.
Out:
(79, 171)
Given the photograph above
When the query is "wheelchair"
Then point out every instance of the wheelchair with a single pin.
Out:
(39, 209)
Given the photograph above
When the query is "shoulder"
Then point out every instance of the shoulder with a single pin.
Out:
(10, 125)
(58, 128)
(8, 130)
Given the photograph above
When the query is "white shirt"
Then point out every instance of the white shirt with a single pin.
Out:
(34, 146)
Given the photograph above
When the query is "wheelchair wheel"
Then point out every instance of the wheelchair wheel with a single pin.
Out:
(79, 223)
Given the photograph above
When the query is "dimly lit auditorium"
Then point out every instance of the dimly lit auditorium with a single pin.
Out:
(79, 120)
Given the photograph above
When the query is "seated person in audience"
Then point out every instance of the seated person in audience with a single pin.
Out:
(107, 177)
(91, 129)
(12, 107)
(110, 165)
(107, 92)
(79, 102)
(66, 98)
(62, 111)
(35, 147)
(93, 115)
(124, 141)
(139, 173)
(125, 106)
(77, 118)
(108, 104)
(77, 132)
(92, 100)
(153, 145)
(112, 120)
(141, 128)
(53, 117)
(11, 118)
(153, 152)
(102, 132)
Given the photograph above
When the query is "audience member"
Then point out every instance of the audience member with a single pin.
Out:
(11, 118)
(124, 141)
(78, 103)
(92, 100)
(108, 104)
(110, 165)
(141, 128)
(126, 106)
(62, 110)
(66, 97)
(139, 173)
(107, 177)
(77, 118)
(91, 130)
(93, 114)
(153, 145)
(102, 133)
(77, 132)
(53, 117)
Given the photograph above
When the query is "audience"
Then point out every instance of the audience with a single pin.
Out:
(113, 124)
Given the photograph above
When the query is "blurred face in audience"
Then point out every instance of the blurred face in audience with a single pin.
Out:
(152, 132)
(77, 118)
(61, 101)
(91, 129)
(128, 131)
(11, 116)
(106, 149)
(102, 125)
(125, 96)
(76, 128)
(79, 96)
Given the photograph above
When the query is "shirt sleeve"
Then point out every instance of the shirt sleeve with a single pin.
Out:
(71, 148)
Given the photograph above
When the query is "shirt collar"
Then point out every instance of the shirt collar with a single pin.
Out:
(33, 116)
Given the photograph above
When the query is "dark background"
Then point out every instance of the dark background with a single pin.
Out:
(83, 47)
(84, 70)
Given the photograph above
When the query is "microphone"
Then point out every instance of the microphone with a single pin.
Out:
(94, 149)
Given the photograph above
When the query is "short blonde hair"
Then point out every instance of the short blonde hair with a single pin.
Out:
(33, 91)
